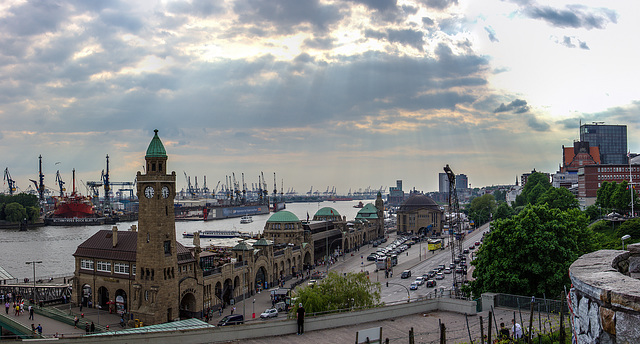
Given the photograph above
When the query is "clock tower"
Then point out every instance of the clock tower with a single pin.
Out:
(155, 294)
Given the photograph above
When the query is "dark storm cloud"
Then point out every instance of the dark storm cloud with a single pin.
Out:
(516, 106)
(409, 9)
(197, 8)
(427, 21)
(536, 124)
(440, 4)
(573, 16)
(286, 15)
(33, 17)
(408, 37)
(379, 5)
(325, 43)
(492, 34)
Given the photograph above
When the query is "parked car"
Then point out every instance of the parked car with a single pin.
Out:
(431, 283)
(477, 243)
(405, 274)
(269, 313)
(233, 319)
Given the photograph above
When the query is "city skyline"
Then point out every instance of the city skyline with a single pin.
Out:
(351, 94)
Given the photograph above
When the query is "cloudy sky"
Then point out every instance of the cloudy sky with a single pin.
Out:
(345, 93)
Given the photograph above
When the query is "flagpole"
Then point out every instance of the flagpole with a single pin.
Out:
(630, 182)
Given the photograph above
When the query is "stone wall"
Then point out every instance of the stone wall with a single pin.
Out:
(605, 296)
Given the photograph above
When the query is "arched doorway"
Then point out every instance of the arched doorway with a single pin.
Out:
(103, 298)
(261, 277)
(218, 291)
(188, 307)
(85, 296)
(227, 291)
(121, 301)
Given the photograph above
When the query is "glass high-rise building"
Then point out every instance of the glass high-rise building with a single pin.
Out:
(610, 139)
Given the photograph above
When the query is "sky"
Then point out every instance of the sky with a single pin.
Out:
(350, 94)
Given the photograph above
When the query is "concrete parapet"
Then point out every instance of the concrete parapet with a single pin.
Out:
(605, 297)
(283, 327)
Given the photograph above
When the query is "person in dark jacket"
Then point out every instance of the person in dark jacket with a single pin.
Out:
(300, 313)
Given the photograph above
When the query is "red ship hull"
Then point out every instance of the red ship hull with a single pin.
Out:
(70, 207)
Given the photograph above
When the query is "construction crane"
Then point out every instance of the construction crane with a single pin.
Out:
(10, 182)
(456, 236)
(60, 183)
(40, 183)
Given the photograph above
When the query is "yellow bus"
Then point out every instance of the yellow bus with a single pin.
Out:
(435, 244)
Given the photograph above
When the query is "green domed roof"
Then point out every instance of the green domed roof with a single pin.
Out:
(283, 216)
(156, 149)
(369, 211)
(242, 246)
(261, 242)
(327, 211)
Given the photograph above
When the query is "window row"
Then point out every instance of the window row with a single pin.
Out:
(105, 266)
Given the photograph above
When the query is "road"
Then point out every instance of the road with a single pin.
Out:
(417, 259)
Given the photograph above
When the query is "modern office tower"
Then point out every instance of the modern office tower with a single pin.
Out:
(443, 183)
(610, 139)
(462, 182)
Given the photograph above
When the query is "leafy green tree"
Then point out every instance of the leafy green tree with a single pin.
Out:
(529, 254)
(559, 198)
(500, 195)
(603, 195)
(15, 212)
(536, 185)
(593, 212)
(503, 211)
(481, 208)
(630, 227)
(337, 292)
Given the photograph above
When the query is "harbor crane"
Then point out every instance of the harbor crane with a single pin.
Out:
(454, 223)
(10, 182)
(60, 183)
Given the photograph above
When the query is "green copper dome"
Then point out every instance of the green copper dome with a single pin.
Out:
(156, 149)
(327, 211)
(283, 216)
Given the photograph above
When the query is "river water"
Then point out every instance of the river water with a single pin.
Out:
(55, 245)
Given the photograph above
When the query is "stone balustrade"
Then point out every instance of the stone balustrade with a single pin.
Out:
(605, 296)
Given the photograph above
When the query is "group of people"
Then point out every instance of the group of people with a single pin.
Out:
(515, 333)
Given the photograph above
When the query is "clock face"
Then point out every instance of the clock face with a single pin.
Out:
(148, 191)
(165, 191)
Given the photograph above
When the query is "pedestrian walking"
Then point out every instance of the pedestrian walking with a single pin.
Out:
(6, 307)
(39, 328)
(516, 329)
(31, 311)
(300, 315)
(75, 321)
(93, 327)
(17, 308)
(86, 327)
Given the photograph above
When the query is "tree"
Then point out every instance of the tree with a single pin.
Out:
(503, 211)
(559, 198)
(630, 227)
(530, 254)
(536, 185)
(339, 291)
(15, 212)
(593, 212)
(603, 195)
(500, 195)
(481, 208)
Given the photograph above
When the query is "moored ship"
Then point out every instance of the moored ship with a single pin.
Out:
(73, 209)
(214, 234)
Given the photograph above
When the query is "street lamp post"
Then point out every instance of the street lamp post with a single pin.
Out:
(625, 237)
(33, 292)
(408, 294)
